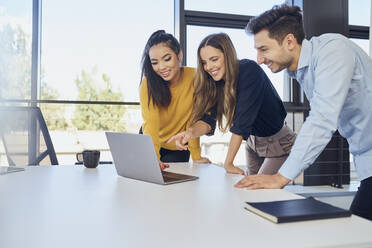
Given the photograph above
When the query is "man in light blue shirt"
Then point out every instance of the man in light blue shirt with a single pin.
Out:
(336, 76)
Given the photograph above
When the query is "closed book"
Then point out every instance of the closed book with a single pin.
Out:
(296, 210)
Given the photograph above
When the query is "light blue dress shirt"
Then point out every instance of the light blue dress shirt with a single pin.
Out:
(336, 76)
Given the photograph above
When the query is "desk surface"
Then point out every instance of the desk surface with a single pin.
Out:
(71, 206)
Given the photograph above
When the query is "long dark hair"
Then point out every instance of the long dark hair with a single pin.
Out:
(206, 93)
(157, 88)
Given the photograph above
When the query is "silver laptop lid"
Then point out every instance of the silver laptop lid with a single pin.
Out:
(134, 156)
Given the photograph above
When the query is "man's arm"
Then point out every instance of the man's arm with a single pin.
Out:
(333, 70)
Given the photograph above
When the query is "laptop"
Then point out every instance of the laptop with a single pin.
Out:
(134, 157)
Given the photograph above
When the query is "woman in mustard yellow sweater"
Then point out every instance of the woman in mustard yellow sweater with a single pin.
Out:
(166, 94)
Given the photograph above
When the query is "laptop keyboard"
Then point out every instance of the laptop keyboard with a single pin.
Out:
(171, 176)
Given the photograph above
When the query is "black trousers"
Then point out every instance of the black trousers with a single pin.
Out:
(170, 156)
(362, 203)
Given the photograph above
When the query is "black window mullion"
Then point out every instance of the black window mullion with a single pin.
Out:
(211, 19)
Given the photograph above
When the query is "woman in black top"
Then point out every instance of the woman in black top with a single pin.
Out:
(239, 96)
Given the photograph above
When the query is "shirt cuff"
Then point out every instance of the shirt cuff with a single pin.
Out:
(239, 132)
(195, 149)
(195, 153)
(292, 168)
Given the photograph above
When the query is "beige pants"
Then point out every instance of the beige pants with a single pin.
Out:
(265, 155)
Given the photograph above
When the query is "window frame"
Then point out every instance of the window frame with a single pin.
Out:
(182, 18)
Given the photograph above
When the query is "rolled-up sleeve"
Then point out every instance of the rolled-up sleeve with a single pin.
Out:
(211, 119)
(333, 71)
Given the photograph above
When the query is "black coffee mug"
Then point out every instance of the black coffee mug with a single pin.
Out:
(90, 158)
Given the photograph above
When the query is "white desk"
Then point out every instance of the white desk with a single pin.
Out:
(71, 206)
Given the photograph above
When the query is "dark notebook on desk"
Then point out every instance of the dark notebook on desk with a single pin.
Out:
(296, 210)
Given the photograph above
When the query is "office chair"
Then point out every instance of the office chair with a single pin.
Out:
(25, 137)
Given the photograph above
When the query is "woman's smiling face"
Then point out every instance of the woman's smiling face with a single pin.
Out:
(165, 62)
(213, 61)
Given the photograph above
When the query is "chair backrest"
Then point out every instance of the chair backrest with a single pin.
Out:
(25, 137)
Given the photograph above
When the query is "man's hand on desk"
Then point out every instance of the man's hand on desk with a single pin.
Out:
(261, 181)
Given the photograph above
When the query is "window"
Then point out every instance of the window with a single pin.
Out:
(106, 38)
(359, 12)
(91, 51)
(240, 7)
(15, 49)
(95, 47)
(75, 127)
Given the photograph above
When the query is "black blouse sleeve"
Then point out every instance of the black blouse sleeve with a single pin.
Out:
(250, 96)
(211, 119)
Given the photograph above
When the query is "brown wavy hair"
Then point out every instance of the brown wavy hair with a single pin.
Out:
(207, 93)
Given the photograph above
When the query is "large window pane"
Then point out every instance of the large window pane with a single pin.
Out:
(359, 12)
(99, 44)
(15, 49)
(239, 7)
(215, 147)
(75, 127)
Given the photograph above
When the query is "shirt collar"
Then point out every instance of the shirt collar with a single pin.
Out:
(304, 59)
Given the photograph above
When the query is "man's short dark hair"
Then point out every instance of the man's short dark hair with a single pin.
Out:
(279, 21)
